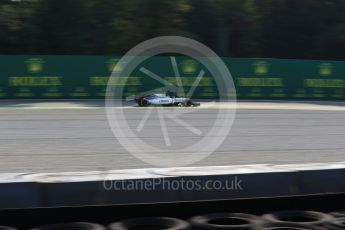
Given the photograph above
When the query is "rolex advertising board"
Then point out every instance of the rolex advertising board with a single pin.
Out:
(84, 77)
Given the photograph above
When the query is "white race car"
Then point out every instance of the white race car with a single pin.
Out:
(165, 99)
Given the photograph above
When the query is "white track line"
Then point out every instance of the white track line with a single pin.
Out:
(147, 173)
(204, 105)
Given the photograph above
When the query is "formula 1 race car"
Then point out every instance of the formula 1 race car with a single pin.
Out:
(165, 99)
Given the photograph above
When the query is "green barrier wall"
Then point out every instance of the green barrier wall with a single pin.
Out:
(82, 77)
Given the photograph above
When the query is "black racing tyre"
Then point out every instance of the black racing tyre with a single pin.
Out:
(225, 221)
(337, 224)
(72, 226)
(337, 214)
(298, 216)
(7, 228)
(187, 103)
(288, 226)
(139, 102)
(153, 223)
(144, 102)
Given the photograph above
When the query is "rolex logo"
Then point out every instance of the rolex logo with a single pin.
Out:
(261, 67)
(113, 65)
(189, 66)
(326, 69)
(34, 65)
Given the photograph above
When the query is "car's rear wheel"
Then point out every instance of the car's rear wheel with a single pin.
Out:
(143, 102)
(188, 103)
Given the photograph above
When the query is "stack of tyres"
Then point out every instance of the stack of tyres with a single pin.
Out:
(281, 220)
(338, 214)
(70, 226)
(290, 219)
(288, 226)
(225, 221)
(153, 223)
(339, 222)
(7, 228)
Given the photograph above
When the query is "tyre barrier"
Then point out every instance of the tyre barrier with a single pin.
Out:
(303, 217)
(153, 223)
(7, 228)
(338, 214)
(225, 221)
(338, 224)
(282, 220)
(72, 226)
(288, 226)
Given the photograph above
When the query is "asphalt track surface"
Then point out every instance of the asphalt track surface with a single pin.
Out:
(64, 136)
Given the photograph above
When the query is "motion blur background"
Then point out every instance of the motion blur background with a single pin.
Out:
(303, 29)
(289, 52)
